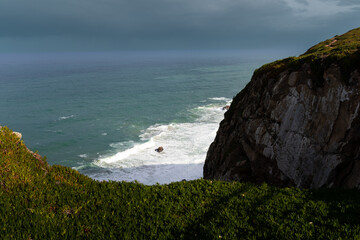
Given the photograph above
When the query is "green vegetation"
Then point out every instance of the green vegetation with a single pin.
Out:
(343, 50)
(38, 201)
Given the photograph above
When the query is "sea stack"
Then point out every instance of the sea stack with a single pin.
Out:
(296, 123)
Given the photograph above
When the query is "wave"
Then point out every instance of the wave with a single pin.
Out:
(151, 174)
(220, 99)
(183, 143)
(65, 117)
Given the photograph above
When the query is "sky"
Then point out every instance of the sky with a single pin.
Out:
(117, 25)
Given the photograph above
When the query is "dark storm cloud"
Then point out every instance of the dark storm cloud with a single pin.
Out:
(138, 17)
(170, 24)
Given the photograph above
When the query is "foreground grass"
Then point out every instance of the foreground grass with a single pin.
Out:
(38, 201)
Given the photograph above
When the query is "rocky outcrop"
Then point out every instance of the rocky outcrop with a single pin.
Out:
(19, 135)
(297, 122)
(36, 155)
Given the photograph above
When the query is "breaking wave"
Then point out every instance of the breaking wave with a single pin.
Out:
(185, 147)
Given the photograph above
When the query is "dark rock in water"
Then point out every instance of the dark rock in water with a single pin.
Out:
(159, 149)
(296, 123)
(227, 107)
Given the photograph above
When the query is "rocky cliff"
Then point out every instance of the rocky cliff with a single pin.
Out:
(297, 122)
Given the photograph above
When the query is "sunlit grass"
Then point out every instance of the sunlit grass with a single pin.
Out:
(342, 50)
(38, 201)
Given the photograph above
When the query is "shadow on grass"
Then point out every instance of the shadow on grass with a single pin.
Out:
(343, 201)
(200, 227)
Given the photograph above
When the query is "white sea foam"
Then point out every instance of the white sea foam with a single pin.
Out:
(220, 99)
(83, 155)
(122, 145)
(66, 117)
(185, 146)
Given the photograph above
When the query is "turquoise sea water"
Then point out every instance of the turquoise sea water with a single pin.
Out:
(105, 113)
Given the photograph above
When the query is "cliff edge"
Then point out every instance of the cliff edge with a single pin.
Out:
(297, 122)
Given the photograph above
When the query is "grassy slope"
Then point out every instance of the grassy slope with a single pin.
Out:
(42, 202)
(343, 50)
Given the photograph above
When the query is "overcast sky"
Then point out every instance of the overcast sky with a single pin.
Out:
(103, 25)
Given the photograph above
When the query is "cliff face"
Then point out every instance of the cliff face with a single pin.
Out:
(297, 122)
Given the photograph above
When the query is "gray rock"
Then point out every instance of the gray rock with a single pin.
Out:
(292, 129)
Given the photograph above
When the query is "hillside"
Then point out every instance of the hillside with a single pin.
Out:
(343, 50)
(38, 201)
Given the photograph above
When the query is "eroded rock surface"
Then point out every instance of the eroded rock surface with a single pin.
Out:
(293, 127)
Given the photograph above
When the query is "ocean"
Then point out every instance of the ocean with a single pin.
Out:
(104, 114)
